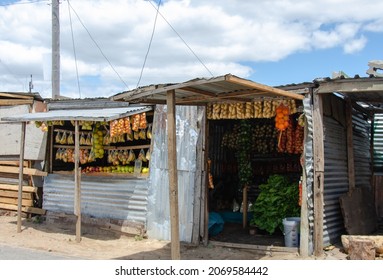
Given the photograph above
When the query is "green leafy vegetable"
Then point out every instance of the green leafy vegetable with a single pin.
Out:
(277, 200)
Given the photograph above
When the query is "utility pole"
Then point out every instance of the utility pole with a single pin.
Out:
(55, 49)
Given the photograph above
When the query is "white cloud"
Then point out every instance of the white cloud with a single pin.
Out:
(226, 36)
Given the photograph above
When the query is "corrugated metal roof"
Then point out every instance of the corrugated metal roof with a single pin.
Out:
(367, 90)
(104, 114)
(202, 91)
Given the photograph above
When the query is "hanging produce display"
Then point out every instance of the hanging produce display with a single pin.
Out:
(109, 147)
(265, 108)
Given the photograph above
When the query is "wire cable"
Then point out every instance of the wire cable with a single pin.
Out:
(94, 41)
(207, 69)
(150, 43)
(74, 49)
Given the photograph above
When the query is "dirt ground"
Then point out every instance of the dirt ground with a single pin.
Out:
(100, 244)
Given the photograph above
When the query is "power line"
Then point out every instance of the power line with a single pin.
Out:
(94, 41)
(182, 39)
(74, 49)
(150, 43)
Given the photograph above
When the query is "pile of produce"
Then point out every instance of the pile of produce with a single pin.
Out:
(278, 199)
(265, 108)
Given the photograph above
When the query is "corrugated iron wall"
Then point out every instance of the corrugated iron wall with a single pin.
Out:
(187, 131)
(378, 143)
(101, 197)
(362, 151)
(335, 179)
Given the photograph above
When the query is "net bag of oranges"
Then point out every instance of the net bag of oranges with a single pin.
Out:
(281, 119)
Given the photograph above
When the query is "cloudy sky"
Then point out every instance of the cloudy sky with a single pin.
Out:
(274, 42)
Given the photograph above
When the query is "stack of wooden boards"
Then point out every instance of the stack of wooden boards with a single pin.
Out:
(9, 185)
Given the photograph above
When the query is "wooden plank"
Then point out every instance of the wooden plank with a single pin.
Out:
(26, 171)
(16, 95)
(13, 163)
(21, 171)
(350, 145)
(11, 102)
(198, 179)
(318, 140)
(14, 201)
(14, 194)
(173, 176)
(255, 247)
(205, 189)
(25, 209)
(77, 210)
(268, 89)
(15, 188)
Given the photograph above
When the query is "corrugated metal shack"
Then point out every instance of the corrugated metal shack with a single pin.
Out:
(118, 200)
(344, 130)
(191, 98)
(341, 154)
(13, 103)
(346, 108)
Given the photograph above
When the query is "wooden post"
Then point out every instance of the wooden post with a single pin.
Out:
(205, 183)
(21, 176)
(244, 207)
(318, 141)
(173, 178)
(77, 172)
(350, 146)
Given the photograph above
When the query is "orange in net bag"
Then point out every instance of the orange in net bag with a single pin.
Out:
(281, 120)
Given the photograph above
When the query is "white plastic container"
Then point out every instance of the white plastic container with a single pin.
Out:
(291, 231)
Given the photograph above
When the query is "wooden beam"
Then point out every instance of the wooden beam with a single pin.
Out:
(15, 188)
(14, 194)
(350, 145)
(13, 163)
(318, 141)
(255, 247)
(15, 95)
(25, 209)
(359, 86)
(264, 88)
(26, 170)
(14, 201)
(12, 102)
(77, 210)
(21, 175)
(173, 178)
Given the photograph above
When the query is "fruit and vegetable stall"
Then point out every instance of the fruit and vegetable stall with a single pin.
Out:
(251, 144)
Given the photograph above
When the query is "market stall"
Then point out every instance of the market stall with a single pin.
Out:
(205, 93)
(255, 153)
(105, 154)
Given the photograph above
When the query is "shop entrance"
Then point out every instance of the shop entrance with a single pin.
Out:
(252, 153)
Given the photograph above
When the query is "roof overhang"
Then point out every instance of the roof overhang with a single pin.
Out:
(106, 114)
(227, 88)
(367, 92)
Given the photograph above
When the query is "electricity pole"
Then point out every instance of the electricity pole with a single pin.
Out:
(55, 49)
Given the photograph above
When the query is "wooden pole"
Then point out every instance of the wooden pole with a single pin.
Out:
(55, 49)
(173, 178)
(21, 175)
(77, 172)
(350, 146)
(244, 207)
(205, 193)
(318, 141)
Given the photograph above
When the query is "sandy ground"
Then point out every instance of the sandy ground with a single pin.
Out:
(99, 244)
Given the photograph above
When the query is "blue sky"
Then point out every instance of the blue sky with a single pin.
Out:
(274, 42)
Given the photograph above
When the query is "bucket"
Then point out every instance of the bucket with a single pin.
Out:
(291, 230)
